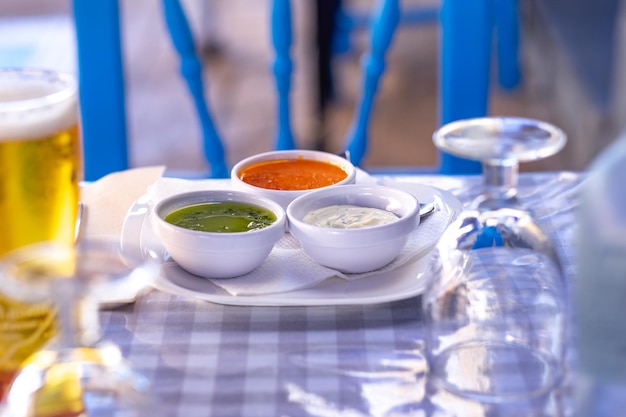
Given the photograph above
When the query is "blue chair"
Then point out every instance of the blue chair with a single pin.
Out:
(101, 85)
(466, 50)
(467, 29)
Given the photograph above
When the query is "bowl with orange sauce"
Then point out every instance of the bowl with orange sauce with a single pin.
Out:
(284, 175)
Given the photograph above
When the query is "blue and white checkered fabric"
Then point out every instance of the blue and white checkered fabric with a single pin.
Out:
(207, 359)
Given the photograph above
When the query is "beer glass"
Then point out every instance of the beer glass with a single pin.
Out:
(40, 171)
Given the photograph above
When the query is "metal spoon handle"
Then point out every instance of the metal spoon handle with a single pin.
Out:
(80, 221)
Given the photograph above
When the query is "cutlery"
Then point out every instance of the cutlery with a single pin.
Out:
(425, 208)
(80, 221)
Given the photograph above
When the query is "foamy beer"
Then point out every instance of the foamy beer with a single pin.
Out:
(40, 171)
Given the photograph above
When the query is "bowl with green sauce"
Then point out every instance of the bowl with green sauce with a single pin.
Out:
(354, 228)
(218, 233)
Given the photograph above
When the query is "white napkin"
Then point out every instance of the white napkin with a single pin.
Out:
(107, 200)
(288, 267)
(106, 204)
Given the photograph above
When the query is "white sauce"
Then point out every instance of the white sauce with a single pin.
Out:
(348, 217)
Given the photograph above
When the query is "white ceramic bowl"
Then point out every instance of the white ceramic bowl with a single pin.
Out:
(213, 254)
(355, 250)
(284, 197)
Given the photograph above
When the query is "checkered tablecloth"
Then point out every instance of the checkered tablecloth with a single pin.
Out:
(207, 359)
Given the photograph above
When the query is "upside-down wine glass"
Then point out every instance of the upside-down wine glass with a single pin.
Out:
(500, 144)
(495, 303)
(77, 374)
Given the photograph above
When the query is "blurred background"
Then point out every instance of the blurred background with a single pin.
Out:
(572, 57)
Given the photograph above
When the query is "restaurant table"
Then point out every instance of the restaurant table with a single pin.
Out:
(208, 359)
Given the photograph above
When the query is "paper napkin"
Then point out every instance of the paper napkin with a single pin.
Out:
(107, 200)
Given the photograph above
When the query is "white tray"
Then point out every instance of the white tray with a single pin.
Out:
(403, 282)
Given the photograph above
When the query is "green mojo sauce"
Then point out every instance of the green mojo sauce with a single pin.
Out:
(221, 217)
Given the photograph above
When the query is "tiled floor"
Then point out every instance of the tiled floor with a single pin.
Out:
(240, 86)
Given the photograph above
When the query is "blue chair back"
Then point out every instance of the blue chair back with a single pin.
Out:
(101, 84)
(467, 29)
(466, 42)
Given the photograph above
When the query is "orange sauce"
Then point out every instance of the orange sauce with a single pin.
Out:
(292, 174)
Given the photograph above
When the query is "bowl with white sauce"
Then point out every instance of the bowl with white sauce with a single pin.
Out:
(353, 228)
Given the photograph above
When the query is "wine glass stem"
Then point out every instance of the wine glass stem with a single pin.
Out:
(500, 180)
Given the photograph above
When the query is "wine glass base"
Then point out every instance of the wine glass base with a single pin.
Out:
(498, 139)
(500, 144)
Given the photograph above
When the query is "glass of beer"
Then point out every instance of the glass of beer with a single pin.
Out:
(40, 171)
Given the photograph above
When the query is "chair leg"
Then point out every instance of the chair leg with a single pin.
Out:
(191, 69)
(384, 27)
(283, 67)
(101, 84)
(466, 36)
(507, 41)
(326, 29)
